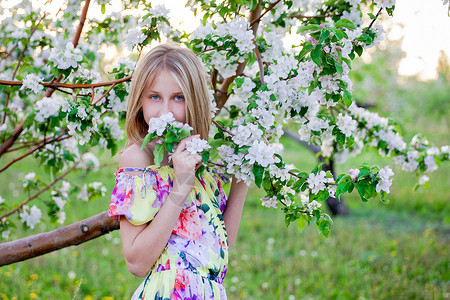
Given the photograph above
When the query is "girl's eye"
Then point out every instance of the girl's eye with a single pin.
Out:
(179, 98)
(154, 97)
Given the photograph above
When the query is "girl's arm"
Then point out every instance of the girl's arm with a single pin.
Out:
(233, 211)
(142, 245)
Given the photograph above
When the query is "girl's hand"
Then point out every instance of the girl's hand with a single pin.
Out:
(184, 165)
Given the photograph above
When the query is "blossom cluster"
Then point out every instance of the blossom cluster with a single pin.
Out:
(196, 145)
(64, 59)
(30, 216)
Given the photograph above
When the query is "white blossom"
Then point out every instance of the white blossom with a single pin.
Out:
(346, 124)
(59, 201)
(133, 37)
(159, 125)
(47, 107)
(353, 173)
(5, 234)
(270, 202)
(61, 217)
(423, 179)
(261, 153)
(317, 182)
(430, 163)
(30, 176)
(31, 217)
(196, 145)
(65, 59)
(32, 82)
(114, 128)
(89, 160)
(385, 182)
(83, 195)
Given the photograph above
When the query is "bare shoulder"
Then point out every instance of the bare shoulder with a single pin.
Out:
(134, 157)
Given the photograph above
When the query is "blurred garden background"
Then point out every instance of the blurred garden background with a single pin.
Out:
(397, 250)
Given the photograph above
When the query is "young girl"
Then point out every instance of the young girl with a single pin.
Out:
(176, 230)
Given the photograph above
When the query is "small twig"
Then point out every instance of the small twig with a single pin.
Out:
(93, 95)
(214, 74)
(373, 21)
(40, 192)
(220, 126)
(297, 16)
(31, 151)
(265, 12)
(56, 84)
(260, 64)
(8, 96)
(216, 164)
(106, 93)
(237, 11)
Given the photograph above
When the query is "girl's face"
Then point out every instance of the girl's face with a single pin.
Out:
(164, 96)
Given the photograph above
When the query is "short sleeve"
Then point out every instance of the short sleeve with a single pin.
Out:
(135, 197)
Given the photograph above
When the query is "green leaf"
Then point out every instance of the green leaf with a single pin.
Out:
(383, 195)
(361, 191)
(315, 54)
(317, 168)
(103, 9)
(338, 67)
(323, 225)
(145, 141)
(312, 27)
(324, 35)
(205, 156)
(347, 98)
(322, 195)
(301, 223)
(342, 187)
(258, 171)
(345, 23)
(230, 88)
(158, 154)
(239, 81)
(359, 50)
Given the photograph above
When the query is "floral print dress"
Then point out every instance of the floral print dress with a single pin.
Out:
(194, 261)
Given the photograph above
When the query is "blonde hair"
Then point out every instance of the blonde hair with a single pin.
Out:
(189, 73)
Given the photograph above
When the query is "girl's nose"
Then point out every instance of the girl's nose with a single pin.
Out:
(164, 109)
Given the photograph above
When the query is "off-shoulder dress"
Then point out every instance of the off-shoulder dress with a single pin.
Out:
(194, 261)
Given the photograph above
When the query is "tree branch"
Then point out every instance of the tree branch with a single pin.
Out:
(38, 193)
(265, 12)
(260, 64)
(62, 237)
(106, 93)
(297, 16)
(56, 84)
(222, 98)
(31, 151)
(18, 130)
(373, 21)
